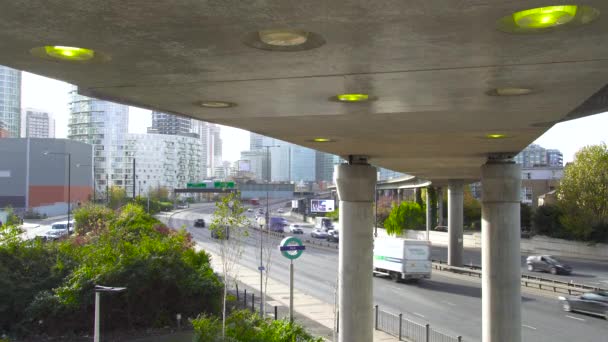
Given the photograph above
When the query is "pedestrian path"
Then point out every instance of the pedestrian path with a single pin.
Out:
(305, 305)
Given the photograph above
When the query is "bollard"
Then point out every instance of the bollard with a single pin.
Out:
(376, 325)
(252, 302)
(400, 324)
(428, 332)
(337, 321)
(276, 313)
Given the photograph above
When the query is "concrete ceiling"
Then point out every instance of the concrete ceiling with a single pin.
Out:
(429, 62)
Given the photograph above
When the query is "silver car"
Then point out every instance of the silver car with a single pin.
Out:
(594, 303)
(295, 228)
(319, 233)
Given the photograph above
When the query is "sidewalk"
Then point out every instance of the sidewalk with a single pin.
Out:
(305, 306)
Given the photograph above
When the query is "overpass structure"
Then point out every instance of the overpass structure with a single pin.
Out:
(448, 91)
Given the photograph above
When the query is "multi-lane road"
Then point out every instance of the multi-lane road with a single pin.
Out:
(450, 304)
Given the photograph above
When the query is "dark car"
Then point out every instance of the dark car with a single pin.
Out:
(547, 263)
(217, 234)
(199, 223)
(333, 235)
(441, 228)
(594, 303)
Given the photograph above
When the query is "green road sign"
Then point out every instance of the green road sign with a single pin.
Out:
(291, 247)
(221, 185)
(196, 185)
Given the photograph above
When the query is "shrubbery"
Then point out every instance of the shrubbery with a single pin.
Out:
(47, 288)
(245, 326)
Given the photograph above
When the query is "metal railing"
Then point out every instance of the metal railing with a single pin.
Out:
(538, 283)
(406, 329)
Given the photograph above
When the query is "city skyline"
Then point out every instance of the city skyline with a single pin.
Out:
(53, 96)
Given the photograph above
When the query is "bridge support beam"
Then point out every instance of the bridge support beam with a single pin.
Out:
(356, 182)
(455, 222)
(429, 214)
(501, 272)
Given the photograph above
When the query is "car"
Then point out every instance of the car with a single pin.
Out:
(58, 230)
(199, 223)
(441, 228)
(182, 206)
(250, 210)
(216, 234)
(318, 233)
(593, 303)
(333, 235)
(295, 228)
(547, 263)
(280, 211)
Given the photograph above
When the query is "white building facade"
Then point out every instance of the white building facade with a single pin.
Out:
(37, 123)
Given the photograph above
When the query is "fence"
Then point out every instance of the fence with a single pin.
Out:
(403, 328)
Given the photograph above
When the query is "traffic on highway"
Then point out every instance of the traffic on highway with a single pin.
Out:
(450, 302)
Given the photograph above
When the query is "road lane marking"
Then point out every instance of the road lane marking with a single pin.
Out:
(576, 318)
(419, 315)
(529, 327)
(448, 303)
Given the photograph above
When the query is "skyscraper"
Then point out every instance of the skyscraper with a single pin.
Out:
(325, 166)
(104, 125)
(302, 164)
(537, 156)
(211, 146)
(171, 124)
(37, 123)
(10, 100)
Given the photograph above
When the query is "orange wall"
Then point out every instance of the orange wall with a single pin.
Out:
(47, 195)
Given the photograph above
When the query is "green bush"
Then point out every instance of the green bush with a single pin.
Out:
(249, 327)
(53, 283)
(92, 218)
(407, 215)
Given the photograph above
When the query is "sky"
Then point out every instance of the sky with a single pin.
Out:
(52, 95)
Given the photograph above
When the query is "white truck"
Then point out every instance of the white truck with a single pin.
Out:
(402, 259)
(324, 223)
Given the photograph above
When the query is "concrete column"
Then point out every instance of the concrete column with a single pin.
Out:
(500, 255)
(455, 220)
(429, 215)
(355, 183)
(440, 206)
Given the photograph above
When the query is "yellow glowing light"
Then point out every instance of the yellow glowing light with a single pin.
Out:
(496, 136)
(321, 140)
(352, 97)
(544, 17)
(69, 53)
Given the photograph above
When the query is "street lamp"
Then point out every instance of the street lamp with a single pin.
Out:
(69, 155)
(267, 147)
(98, 290)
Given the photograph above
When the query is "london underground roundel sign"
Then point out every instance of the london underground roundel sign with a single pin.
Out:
(291, 247)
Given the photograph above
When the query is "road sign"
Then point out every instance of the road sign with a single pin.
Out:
(196, 185)
(291, 247)
(219, 185)
(261, 268)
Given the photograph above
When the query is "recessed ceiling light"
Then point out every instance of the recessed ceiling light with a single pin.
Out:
(322, 140)
(353, 98)
(287, 40)
(216, 104)
(496, 136)
(548, 18)
(509, 91)
(69, 53)
(283, 37)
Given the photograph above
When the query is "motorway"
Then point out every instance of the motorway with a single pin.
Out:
(450, 304)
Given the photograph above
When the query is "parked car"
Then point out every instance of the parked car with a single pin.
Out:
(215, 234)
(441, 228)
(295, 228)
(333, 235)
(594, 303)
(199, 223)
(547, 263)
(318, 233)
(58, 230)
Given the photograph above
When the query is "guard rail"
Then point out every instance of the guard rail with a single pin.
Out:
(539, 283)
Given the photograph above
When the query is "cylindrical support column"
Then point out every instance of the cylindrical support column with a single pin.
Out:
(455, 220)
(500, 257)
(440, 206)
(429, 214)
(355, 184)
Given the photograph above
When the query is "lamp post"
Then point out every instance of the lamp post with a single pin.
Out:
(98, 290)
(267, 147)
(69, 155)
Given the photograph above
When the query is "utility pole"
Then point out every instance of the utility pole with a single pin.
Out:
(133, 178)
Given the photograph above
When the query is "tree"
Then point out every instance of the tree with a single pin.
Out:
(471, 209)
(583, 193)
(407, 215)
(118, 197)
(227, 224)
(92, 217)
(334, 215)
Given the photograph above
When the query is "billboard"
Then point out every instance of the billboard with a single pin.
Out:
(321, 206)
